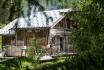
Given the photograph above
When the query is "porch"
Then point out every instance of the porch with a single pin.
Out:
(51, 41)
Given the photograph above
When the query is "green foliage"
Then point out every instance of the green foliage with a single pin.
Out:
(34, 51)
(10, 9)
(90, 60)
(20, 63)
(90, 32)
(59, 4)
(32, 48)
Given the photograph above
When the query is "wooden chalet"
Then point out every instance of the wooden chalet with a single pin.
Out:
(50, 29)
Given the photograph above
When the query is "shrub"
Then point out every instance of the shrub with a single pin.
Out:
(20, 63)
(90, 60)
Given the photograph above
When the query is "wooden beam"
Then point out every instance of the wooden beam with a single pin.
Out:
(55, 23)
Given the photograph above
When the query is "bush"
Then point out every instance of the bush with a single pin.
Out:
(21, 63)
(90, 60)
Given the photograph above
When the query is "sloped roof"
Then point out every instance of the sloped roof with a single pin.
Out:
(38, 20)
(7, 29)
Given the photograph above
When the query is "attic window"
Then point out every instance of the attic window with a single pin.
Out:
(49, 19)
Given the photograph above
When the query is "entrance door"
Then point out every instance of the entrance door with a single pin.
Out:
(61, 45)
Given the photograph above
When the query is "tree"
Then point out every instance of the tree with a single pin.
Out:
(90, 32)
(9, 9)
(12, 9)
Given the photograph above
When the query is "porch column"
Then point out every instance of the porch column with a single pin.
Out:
(23, 51)
(24, 37)
(64, 44)
(58, 44)
(1, 43)
(66, 48)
